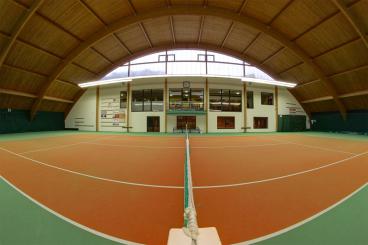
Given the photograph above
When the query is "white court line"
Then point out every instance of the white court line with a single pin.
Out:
(137, 146)
(83, 227)
(237, 146)
(280, 177)
(277, 233)
(181, 187)
(92, 176)
(314, 147)
(182, 147)
(64, 146)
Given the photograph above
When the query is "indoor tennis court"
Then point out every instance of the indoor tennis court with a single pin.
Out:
(183, 122)
(248, 187)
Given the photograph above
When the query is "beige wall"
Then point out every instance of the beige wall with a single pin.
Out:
(86, 106)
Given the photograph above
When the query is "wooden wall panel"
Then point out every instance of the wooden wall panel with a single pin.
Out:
(47, 36)
(300, 73)
(15, 102)
(347, 57)
(91, 60)
(359, 11)
(111, 10)
(312, 91)
(263, 47)
(322, 106)
(230, 5)
(351, 82)
(133, 38)
(47, 105)
(356, 102)
(324, 36)
(20, 81)
(241, 36)
(146, 5)
(283, 61)
(30, 58)
(158, 30)
(75, 74)
(302, 15)
(72, 16)
(111, 48)
(186, 28)
(264, 10)
(214, 30)
(9, 13)
(62, 90)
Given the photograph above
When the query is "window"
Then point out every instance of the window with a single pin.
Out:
(123, 99)
(266, 98)
(260, 122)
(147, 100)
(225, 100)
(186, 99)
(250, 103)
(157, 99)
(137, 100)
(225, 122)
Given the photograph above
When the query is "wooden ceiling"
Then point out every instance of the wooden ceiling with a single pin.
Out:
(48, 46)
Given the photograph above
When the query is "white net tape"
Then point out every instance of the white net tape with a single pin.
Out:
(190, 214)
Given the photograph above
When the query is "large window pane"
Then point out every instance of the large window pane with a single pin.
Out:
(147, 69)
(123, 99)
(197, 98)
(175, 98)
(225, 122)
(137, 100)
(157, 100)
(147, 106)
(235, 100)
(186, 68)
(119, 72)
(225, 100)
(225, 69)
(250, 103)
(266, 98)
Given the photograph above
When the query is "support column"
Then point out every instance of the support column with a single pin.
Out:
(166, 99)
(97, 108)
(128, 107)
(245, 99)
(206, 103)
(277, 107)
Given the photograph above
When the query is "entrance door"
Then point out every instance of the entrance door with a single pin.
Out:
(153, 124)
(181, 121)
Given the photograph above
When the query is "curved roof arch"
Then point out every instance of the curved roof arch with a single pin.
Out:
(188, 10)
(49, 46)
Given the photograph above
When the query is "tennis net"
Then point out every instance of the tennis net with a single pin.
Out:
(190, 214)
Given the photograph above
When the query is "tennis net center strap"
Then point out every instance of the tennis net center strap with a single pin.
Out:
(190, 214)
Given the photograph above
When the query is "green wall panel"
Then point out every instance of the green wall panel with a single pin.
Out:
(17, 121)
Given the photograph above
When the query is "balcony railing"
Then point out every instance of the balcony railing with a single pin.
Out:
(186, 106)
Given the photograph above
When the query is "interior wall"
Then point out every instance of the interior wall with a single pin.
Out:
(83, 115)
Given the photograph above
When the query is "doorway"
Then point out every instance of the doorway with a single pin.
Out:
(181, 121)
(153, 124)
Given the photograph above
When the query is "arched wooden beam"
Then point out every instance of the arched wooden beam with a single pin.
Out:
(23, 20)
(358, 27)
(189, 10)
(201, 46)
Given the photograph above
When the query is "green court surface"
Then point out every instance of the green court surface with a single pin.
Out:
(24, 222)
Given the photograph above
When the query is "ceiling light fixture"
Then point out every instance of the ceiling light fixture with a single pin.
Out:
(104, 82)
(268, 82)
